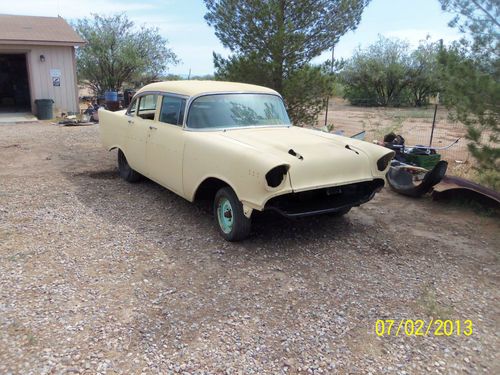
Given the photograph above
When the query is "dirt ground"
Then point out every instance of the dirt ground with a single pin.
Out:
(101, 276)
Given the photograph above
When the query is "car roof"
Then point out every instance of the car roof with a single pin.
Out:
(194, 88)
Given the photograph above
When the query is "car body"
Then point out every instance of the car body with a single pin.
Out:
(201, 138)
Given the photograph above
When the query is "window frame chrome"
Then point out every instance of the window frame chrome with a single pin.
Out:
(194, 97)
(191, 99)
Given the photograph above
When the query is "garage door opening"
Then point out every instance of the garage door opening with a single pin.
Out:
(14, 84)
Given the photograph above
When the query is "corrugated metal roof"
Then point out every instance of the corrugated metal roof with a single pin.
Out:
(37, 30)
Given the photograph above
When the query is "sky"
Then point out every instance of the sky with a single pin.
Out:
(189, 36)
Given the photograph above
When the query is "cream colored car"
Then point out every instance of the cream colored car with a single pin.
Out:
(234, 145)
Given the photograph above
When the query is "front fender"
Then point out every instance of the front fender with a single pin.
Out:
(240, 166)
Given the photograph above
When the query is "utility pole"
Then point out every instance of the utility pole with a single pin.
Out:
(328, 97)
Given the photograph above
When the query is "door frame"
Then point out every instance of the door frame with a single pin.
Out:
(27, 56)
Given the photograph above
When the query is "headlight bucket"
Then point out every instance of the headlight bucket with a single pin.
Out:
(384, 161)
(276, 176)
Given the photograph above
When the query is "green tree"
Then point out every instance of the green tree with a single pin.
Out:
(305, 92)
(273, 41)
(424, 73)
(379, 74)
(387, 73)
(247, 68)
(118, 52)
(479, 21)
(471, 80)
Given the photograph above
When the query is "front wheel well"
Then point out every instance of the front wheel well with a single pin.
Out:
(208, 188)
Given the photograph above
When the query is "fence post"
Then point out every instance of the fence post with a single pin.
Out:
(434, 119)
(328, 97)
(437, 101)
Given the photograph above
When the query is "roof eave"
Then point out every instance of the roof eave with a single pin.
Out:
(42, 42)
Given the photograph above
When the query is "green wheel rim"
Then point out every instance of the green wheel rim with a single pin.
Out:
(225, 215)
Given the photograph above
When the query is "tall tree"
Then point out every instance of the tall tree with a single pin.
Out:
(280, 36)
(471, 79)
(118, 52)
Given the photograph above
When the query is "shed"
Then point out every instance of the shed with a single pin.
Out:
(37, 61)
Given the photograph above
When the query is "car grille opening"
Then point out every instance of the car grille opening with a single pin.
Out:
(317, 201)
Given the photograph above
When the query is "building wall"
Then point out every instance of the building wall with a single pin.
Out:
(61, 58)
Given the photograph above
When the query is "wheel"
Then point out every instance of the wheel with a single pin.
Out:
(233, 225)
(126, 171)
(340, 213)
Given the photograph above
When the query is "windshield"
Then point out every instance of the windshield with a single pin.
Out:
(236, 110)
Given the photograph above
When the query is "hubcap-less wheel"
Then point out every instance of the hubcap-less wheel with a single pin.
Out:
(126, 172)
(225, 215)
(232, 223)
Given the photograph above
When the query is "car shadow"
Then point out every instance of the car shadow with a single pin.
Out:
(162, 216)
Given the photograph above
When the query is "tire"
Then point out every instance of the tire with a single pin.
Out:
(340, 213)
(235, 227)
(125, 170)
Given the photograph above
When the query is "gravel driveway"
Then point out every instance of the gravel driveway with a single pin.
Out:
(101, 276)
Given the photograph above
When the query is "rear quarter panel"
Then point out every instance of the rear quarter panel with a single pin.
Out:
(113, 128)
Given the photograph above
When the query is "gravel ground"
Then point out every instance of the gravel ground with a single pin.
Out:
(101, 276)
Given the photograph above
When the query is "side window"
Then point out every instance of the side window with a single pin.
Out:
(147, 107)
(172, 110)
(132, 107)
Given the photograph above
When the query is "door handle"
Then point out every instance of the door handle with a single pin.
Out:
(152, 127)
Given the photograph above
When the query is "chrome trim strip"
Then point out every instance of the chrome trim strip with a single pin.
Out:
(159, 93)
(190, 99)
(235, 128)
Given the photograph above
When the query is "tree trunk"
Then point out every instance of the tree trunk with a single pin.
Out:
(279, 52)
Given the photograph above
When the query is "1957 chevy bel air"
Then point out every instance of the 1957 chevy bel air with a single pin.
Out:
(233, 144)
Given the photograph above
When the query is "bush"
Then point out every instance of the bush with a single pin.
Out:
(388, 74)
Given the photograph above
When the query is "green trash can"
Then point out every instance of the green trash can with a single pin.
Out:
(44, 109)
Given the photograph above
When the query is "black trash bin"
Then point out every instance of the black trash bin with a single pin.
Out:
(44, 109)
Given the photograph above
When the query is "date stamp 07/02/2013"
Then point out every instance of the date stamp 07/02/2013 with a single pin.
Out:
(419, 327)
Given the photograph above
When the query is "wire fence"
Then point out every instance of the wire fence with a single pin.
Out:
(414, 124)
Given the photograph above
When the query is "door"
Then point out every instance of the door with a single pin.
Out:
(141, 116)
(165, 145)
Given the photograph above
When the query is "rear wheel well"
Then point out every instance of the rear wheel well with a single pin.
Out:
(208, 188)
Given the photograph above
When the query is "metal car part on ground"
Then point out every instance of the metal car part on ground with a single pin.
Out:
(415, 169)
